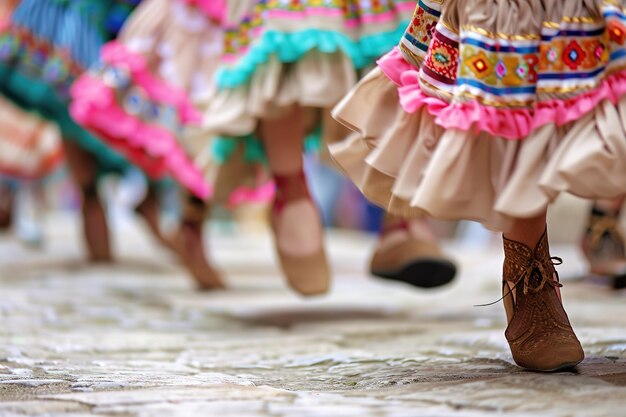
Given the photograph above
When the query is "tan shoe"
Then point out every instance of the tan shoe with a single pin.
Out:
(604, 247)
(307, 274)
(407, 258)
(539, 332)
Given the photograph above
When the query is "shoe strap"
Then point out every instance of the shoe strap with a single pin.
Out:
(290, 188)
(398, 225)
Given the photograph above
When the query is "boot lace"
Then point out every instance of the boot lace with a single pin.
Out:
(547, 278)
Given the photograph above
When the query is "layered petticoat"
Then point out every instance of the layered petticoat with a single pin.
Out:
(281, 54)
(44, 47)
(139, 97)
(493, 114)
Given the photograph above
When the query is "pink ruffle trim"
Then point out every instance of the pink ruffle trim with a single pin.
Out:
(118, 55)
(507, 123)
(214, 9)
(152, 148)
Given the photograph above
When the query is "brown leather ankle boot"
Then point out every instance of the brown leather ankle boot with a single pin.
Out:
(539, 332)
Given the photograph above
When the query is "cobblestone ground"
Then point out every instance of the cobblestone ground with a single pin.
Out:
(136, 340)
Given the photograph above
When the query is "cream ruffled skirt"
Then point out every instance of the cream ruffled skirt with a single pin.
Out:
(493, 114)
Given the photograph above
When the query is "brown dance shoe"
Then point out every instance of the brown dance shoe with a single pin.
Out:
(604, 247)
(307, 274)
(408, 258)
(539, 332)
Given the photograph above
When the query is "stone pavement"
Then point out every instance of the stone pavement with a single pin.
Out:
(136, 340)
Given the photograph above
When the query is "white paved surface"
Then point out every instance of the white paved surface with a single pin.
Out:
(136, 340)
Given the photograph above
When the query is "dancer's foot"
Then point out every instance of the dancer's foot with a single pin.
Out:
(298, 236)
(189, 244)
(408, 251)
(539, 332)
(148, 209)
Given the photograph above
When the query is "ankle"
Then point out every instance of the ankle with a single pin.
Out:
(289, 188)
(529, 238)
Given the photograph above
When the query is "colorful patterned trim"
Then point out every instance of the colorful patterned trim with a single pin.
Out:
(442, 60)
(503, 71)
(419, 33)
(506, 122)
(291, 47)
(38, 59)
(381, 15)
(351, 11)
(253, 40)
(75, 27)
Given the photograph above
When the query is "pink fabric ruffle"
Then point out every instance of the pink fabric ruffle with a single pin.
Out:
(262, 194)
(511, 124)
(118, 55)
(214, 9)
(151, 147)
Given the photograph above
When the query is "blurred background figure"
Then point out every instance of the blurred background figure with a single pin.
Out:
(603, 242)
(274, 95)
(30, 150)
(44, 46)
(137, 98)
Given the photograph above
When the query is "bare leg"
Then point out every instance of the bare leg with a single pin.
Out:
(528, 231)
(83, 167)
(296, 221)
(283, 138)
